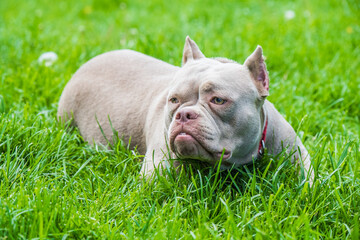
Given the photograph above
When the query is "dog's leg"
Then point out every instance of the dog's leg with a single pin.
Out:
(155, 160)
(303, 155)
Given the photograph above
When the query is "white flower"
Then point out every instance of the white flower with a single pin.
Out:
(289, 14)
(133, 31)
(47, 58)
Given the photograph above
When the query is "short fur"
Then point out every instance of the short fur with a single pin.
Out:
(206, 108)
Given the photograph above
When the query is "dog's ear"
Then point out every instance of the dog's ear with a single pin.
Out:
(256, 64)
(191, 51)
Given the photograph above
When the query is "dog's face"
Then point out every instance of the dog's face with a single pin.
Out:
(214, 109)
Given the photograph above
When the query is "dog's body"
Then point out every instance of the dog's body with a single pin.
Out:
(206, 110)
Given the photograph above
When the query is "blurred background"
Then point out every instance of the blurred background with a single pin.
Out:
(312, 47)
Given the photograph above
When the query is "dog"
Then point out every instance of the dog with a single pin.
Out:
(210, 109)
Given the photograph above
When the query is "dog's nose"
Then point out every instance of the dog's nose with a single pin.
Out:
(186, 115)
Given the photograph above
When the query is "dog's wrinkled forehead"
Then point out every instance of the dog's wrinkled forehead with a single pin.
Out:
(197, 71)
(218, 74)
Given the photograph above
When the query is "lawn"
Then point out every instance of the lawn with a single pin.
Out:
(53, 185)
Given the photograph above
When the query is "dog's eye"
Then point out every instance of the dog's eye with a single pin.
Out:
(218, 101)
(174, 100)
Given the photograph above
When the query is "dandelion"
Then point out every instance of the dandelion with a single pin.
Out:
(47, 58)
(349, 30)
(87, 10)
(289, 14)
(133, 31)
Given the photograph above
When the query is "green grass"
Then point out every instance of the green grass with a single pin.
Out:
(53, 185)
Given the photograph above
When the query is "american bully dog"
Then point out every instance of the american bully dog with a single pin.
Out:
(208, 109)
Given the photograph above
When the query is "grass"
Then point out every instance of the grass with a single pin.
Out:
(53, 185)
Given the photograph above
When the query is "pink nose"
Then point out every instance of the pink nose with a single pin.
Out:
(186, 115)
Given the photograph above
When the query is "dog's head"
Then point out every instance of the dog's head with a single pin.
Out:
(214, 108)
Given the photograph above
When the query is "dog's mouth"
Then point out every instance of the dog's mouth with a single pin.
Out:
(183, 136)
(186, 145)
(224, 155)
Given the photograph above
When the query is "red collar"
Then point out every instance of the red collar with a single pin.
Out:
(263, 138)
